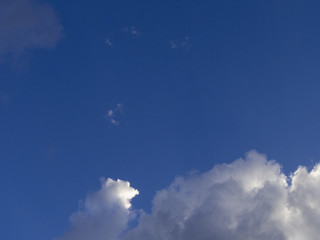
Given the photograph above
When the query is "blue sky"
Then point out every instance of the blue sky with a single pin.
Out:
(147, 91)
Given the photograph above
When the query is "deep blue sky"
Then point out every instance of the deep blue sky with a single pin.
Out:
(246, 77)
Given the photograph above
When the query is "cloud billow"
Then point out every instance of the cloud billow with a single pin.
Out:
(26, 24)
(104, 214)
(250, 198)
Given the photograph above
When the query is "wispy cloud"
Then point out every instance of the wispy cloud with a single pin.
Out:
(27, 24)
(115, 114)
(108, 42)
(127, 32)
(250, 198)
(131, 30)
(180, 44)
(173, 44)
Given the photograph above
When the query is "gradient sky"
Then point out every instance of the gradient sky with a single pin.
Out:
(146, 91)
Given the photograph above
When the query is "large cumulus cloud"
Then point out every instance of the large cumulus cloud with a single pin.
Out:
(250, 198)
(26, 24)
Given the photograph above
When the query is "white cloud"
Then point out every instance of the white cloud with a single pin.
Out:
(250, 198)
(26, 24)
(131, 30)
(182, 44)
(104, 214)
(229, 202)
(108, 42)
(110, 113)
(115, 114)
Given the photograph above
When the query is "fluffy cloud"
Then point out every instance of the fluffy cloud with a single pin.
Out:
(26, 24)
(104, 214)
(250, 198)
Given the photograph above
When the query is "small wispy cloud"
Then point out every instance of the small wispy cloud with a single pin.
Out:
(115, 114)
(114, 37)
(108, 42)
(180, 44)
(173, 44)
(131, 30)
